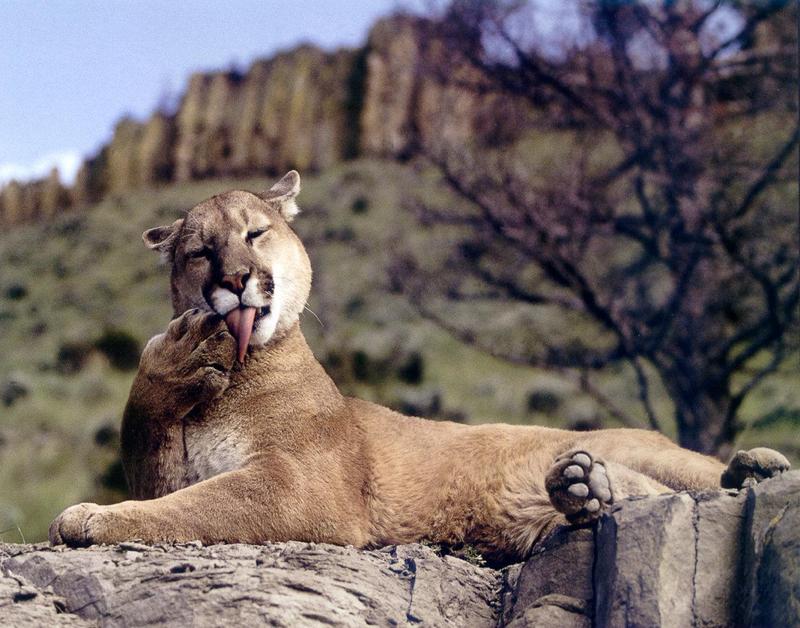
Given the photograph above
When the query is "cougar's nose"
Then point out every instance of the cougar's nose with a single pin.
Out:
(236, 282)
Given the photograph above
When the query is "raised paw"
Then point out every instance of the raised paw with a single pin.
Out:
(190, 363)
(579, 486)
(196, 339)
(753, 466)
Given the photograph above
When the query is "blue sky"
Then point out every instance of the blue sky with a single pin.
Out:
(71, 68)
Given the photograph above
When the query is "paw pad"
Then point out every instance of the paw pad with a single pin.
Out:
(578, 486)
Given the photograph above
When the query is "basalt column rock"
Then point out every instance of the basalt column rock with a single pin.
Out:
(289, 111)
(301, 116)
(12, 203)
(156, 150)
(123, 156)
(394, 54)
(205, 123)
(420, 97)
(22, 202)
(91, 181)
(304, 108)
(54, 196)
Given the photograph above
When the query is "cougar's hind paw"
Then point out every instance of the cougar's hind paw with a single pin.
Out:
(578, 486)
(753, 466)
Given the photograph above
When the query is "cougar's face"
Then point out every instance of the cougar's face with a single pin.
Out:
(236, 255)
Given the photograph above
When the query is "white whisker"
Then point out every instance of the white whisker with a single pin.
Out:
(305, 307)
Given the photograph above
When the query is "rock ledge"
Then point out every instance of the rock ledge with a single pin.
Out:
(703, 559)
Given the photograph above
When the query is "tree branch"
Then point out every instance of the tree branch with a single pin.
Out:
(644, 394)
(769, 172)
(612, 408)
(554, 358)
(739, 397)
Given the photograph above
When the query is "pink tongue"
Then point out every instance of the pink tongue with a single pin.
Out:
(240, 323)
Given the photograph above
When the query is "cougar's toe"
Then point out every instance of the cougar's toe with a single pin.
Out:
(578, 486)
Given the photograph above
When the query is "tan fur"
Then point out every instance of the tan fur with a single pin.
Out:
(269, 450)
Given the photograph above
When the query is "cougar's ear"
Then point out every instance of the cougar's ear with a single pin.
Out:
(163, 239)
(284, 193)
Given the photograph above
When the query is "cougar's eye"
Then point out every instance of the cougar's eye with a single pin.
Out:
(200, 253)
(252, 235)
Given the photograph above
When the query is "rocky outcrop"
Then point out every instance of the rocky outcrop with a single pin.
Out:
(138, 154)
(286, 112)
(393, 60)
(287, 584)
(304, 108)
(708, 559)
(416, 96)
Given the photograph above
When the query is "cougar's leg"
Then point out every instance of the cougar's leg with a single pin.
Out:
(262, 502)
(655, 456)
(575, 488)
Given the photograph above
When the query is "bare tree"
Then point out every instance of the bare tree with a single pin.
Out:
(670, 231)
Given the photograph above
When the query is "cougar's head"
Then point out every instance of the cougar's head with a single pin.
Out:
(236, 255)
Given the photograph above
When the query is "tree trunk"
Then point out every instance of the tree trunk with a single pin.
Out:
(701, 414)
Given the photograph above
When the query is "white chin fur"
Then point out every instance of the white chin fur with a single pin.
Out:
(266, 327)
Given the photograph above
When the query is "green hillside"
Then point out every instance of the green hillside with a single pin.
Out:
(80, 294)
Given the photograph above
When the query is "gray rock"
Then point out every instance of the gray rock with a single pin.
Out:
(557, 576)
(559, 611)
(771, 570)
(708, 559)
(718, 528)
(286, 584)
(777, 601)
(23, 604)
(448, 591)
(645, 562)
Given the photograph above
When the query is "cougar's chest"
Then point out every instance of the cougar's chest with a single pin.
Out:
(211, 449)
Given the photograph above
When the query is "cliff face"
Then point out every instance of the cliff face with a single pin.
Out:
(708, 559)
(304, 109)
(288, 111)
(407, 107)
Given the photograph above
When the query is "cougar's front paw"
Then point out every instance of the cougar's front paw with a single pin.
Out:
(79, 526)
(192, 358)
(754, 466)
(578, 486)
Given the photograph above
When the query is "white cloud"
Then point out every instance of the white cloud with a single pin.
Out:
(67, 162)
